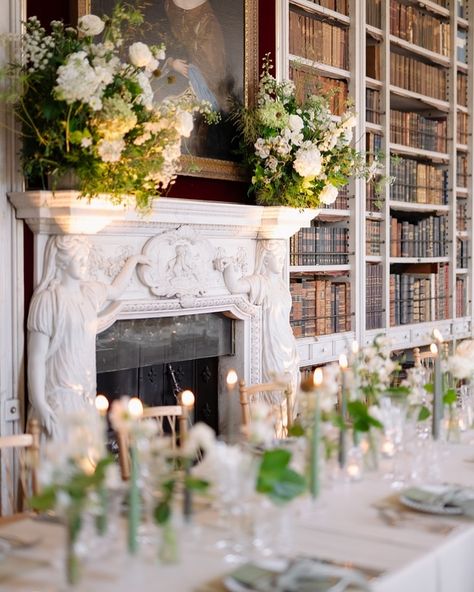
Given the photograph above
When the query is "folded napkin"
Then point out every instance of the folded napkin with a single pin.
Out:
(304, 575)
(448, 496)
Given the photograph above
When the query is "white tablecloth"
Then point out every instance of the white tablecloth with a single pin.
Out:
(416, 555)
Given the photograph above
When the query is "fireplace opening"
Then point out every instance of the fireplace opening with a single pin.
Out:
(156, 358)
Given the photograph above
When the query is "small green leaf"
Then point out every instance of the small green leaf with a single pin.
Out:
(196, 484)
(162, 513)
(450, 397)
(424, 413)
(296, 430)
(429, 387)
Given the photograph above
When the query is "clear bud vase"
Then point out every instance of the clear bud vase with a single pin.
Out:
(452, 421)
(73, 560)
(168, 551)
(369, 446)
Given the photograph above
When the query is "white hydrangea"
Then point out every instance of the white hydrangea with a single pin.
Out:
(90, 25)
(200, 436)
(308, 161)
(329, 194)
(110, 150)
(79, 81)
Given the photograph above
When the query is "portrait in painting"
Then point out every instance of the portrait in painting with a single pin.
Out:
(210, 55)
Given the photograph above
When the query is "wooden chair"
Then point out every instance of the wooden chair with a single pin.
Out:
(20, 457)
(169, 419)
(282, 412)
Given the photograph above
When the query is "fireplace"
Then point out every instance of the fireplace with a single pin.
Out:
(157, 358)
(181, 240)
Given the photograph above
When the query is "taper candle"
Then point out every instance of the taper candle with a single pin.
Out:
(231, 382)
(135, 410)
(314, 485)
(187, 402)
(343, 364)
(437, 393)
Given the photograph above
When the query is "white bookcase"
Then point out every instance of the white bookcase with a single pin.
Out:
(459, 189)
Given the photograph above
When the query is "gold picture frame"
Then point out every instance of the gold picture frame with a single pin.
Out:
(202, 166)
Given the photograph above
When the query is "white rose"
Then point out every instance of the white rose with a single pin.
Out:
(184, 123)
(308, 162)
(140, 54)
(90, 25)
(328, 195)
(295, 123)
(460, 367)
(349, 122)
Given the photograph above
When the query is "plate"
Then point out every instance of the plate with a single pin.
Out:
(429, 506)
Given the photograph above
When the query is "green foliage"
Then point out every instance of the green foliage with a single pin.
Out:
(361, 419)
(130, 154)
(450, 397)
(276, 479)
(283, 141)
(424, 413)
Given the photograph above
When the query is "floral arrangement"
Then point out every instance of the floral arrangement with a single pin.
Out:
(300, 155)
(74, 477)
(84, 108)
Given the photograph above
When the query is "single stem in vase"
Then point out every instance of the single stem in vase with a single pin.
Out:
(314, 485)
(133, 503)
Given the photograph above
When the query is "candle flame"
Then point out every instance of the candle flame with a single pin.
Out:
(187, 398)
(101, 404)
(318, 377)
(437, 335)
(232, 378)
(135, 407)
(355, 347)
(343, 363)
(434, 348)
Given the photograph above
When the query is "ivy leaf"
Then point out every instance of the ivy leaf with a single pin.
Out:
(162, 512)
(424, 413)
(46, 500)
(450, 397)
(429, 387)
(296, 430)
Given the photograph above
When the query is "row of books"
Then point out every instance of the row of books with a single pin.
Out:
(373, 142)
(373, 61)
(374, 13)
(419, 27)
(341, 6)
(461, 170)
(461, 308)
(320, 245)
(372, 106)
(412, 129)
(418, 182)
(424, 238)
(461, 46)
(462, 87)
(373, 201)
(419, 297)
(411, 74)
(462, 127)
(318, 40)
(373, 234)
(462, 253)
(308, 82)
(321, 306)
(461, 214)
(374, 296)
(461, 8)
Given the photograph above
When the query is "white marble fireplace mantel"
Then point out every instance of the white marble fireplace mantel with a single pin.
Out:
(202, 231)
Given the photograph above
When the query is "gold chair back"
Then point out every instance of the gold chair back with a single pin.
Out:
(277, 395)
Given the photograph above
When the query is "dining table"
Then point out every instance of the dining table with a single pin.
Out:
(359, 525)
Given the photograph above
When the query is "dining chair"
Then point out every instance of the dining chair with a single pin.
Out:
(19, 461)
(282, 412)
(172, 420)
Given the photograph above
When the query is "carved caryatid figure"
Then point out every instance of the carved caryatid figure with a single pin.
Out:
(267, 288)
(62, 328)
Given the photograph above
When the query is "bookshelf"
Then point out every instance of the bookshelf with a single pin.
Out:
(399, 263)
